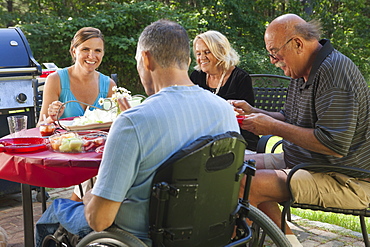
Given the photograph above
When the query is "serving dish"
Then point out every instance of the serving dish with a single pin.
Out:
(77, 141)
(22, 144)
(68, 125)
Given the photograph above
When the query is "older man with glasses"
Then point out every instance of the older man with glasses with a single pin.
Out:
(326, 120)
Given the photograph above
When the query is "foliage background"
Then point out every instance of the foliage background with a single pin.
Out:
(49, 26)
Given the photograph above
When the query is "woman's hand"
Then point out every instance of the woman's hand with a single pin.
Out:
(241, 107)
(53, 111)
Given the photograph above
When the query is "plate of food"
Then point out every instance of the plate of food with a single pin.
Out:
(22, 144)
(92, 120)
(77, 141)
(72, 126)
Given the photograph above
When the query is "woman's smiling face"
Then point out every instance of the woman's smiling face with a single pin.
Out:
(90, 53)
(205, 59)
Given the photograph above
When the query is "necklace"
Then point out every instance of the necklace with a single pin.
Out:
(219, 83)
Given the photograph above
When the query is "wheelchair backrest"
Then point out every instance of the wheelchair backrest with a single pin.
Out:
(195, 193)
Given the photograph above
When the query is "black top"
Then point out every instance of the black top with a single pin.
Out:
(238, 86)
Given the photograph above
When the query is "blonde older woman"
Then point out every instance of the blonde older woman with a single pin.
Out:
(217, 71)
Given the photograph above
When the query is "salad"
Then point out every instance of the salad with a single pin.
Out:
(95, 116)
(110, 108)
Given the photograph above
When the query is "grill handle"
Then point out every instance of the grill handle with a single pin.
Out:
(18, 70)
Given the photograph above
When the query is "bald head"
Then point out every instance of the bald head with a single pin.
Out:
(292, 44)
(290, 24)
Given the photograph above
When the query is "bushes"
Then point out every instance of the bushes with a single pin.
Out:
(50, 27)
(121, 24)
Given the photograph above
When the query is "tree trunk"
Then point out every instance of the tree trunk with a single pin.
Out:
(9, 5)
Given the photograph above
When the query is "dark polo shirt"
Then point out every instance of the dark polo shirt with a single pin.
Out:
(335, 102)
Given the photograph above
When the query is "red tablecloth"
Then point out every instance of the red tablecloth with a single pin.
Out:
(47, 168)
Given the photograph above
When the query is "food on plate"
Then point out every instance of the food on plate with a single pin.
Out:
(99, 150)
(76, 142)
(95, 116)
(71, 144)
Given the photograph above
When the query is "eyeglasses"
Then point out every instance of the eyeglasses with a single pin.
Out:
(274, 55)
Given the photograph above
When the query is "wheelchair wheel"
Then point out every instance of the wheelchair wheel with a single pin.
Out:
(112, 237)
(264, 231)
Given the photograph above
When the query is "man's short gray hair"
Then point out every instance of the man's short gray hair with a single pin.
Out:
(167, 42)
(309, 30)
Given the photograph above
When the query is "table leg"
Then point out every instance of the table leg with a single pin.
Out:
(43, 198)
(27, 216)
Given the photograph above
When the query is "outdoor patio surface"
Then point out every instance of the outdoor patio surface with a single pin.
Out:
(310, 233)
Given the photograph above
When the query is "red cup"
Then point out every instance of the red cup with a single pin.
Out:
(240, 119)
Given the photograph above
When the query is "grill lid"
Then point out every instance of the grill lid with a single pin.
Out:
(16, 55)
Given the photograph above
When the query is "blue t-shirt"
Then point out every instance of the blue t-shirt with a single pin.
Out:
(74, 109)
(145, 136)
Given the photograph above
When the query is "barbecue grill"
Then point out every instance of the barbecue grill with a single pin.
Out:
(17, 70)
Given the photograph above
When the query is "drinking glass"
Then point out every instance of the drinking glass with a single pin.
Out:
(17, 125)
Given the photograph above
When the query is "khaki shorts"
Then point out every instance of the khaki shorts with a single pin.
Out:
(324, 189)
(330, 190)
(274, 161)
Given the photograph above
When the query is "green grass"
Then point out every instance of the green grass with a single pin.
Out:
(347, 221)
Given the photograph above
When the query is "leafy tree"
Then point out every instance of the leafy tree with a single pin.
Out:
(50, 24)
(121, 24)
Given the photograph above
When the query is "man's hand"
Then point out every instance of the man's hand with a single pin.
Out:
(258, 124)
(242, 107)
(123, 104)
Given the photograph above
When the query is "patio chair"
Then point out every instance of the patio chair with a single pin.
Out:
(269, 91)
(347, 170)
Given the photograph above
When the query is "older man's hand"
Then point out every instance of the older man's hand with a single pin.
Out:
(259, 124)
(242, 107)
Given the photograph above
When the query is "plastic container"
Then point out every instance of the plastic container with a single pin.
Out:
(77, 141)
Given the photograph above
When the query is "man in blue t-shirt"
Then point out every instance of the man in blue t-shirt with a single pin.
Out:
(176, 113)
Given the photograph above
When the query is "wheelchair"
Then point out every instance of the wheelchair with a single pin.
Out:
(194, 201)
